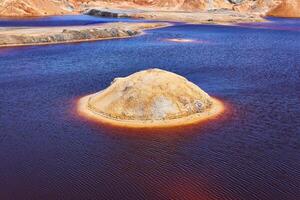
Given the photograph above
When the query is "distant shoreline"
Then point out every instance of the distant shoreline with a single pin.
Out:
(35, 36)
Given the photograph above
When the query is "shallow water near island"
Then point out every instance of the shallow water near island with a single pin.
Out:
(251, 152)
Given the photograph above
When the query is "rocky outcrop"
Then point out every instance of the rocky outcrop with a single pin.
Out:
(235, 1)
(257, 6)
(36, 7)
(105, 13)
(45, 35)
(288, 8)
(152, 97)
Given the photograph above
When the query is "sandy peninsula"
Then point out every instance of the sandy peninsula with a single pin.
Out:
(196, 12)
(218, 16)
(150, 98)
(21, 36)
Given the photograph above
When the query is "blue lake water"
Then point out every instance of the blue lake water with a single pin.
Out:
(68, 20)
(251, 152)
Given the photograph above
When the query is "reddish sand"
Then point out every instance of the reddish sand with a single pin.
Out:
(15, 8)
(288, 8)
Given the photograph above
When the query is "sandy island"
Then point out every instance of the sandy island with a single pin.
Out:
(148, 99)
(23, 36)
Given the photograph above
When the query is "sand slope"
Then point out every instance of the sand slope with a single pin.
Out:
(36, 7)
(151, 97)
(288, 8)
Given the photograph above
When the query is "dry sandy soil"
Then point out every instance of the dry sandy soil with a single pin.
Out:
(29, 8)
(210, 17)
(51, 35)
(150, 98)
(289, 8)
(195, 11)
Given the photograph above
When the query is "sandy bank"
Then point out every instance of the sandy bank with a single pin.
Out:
(222, 16)
(150, 98)
(197, 11)
(12, 36)
(58, 7)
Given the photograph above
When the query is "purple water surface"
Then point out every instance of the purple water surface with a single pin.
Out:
(67, 20)
(251, 152)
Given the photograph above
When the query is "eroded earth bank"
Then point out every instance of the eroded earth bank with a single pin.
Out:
(20, 36)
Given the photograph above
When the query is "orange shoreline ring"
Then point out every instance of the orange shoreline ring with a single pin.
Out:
(217, 108)
(151, 98)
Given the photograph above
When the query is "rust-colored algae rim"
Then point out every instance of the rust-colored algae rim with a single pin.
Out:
(217, 109)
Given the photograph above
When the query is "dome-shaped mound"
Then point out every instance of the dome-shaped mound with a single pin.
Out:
(152, 97)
